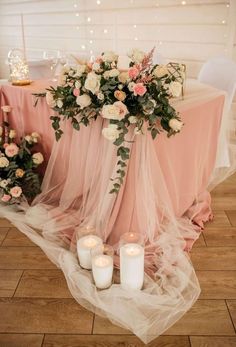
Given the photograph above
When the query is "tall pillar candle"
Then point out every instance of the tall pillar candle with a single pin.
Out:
(131, 266)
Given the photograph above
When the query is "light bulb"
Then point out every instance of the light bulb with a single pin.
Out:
(89, 19)
(105, 31)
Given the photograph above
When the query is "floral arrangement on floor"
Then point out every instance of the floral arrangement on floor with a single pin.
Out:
(134, 101)
(18, 178)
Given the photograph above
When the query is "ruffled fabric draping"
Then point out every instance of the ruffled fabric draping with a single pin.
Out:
(75, 192)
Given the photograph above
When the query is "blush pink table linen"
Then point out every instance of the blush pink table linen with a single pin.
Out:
(187, 159)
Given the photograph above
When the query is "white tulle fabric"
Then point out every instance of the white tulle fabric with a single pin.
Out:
(76, 192)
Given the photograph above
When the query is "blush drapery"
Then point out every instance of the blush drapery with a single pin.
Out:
(164, 197)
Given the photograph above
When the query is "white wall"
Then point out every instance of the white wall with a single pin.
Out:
(190, 32)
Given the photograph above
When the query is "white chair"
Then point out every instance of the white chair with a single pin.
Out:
(220, 72)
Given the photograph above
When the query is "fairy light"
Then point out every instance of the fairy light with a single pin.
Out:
(223, 21)
(91, 31)
(89, 19)
(75, 5)
(77, 14)
(83, 46)
(98, 2)
(91, 42)
(135, 39)
(183, 3)
(105, 31)
(134, 26)
(228, 5)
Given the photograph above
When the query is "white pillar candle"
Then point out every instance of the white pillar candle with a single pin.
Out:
(123, 62)
(102, 267)
(84, 246)
(131, 266)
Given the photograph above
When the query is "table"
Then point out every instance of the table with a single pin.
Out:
(186, 159)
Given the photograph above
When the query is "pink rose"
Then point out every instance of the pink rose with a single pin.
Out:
(133, 72)
(16, 191)
(76, 92)
(139, 89)
(6, 198)
(123, 111)
(5, 145)
(11, 150)
(99, 60)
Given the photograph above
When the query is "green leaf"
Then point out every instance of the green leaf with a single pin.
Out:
(154, 133)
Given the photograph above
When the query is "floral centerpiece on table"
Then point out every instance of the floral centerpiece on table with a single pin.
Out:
(135, 100)
(18, 178)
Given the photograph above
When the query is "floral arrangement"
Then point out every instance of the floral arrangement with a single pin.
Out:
(18, 178)
(132, 101)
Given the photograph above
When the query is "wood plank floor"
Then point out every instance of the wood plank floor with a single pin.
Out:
(37, 310)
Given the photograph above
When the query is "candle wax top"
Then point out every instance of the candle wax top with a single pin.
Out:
(133, 249)
(89, 241)
(102, 260)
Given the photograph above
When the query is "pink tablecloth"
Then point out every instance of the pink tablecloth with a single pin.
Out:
(187, 160)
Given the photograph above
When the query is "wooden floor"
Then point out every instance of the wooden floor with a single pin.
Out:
(36, 308)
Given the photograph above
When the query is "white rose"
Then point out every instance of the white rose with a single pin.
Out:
(109, 56)
(92, 82)
(114, 73)
(1, 130)
(34, 134)
(106, 74)
(175, 89)
(120, 86)
(111, 112)
(37, 158)
(111, 133)
(59, 103)
(6, 108)
(77, 84)
(16, 192)
(175, 124)
(131, 86)
(137, 56)
(83, 100)
(3, 183)
(100, 96)
(28, 139)
(133, 119)
(12, 134)
(50, 100)
(80, 70)
(4, 162)
(96, 67)
(160, 71)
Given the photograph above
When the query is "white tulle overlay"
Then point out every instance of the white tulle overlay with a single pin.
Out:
(75, 192)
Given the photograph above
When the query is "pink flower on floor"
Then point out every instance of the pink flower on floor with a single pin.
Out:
(6, 198)
(16, 192)
(139, 89)
(76, 92)
(11, 150)
(133, 72)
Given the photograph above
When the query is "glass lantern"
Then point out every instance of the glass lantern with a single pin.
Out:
(19, 69)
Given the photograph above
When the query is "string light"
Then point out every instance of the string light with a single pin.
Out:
(228, 5)
(105, 31)
(91, 31)
(75, 5)
(134, 26)
(89, 19)
(183, 3)
(135, 39)
(223, 21)
(90, 41)
(83, 46)
(77, 14)
(98, 2)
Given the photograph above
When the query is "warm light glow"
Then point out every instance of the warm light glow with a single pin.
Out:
(135, 39)
(89, 19)
(91, 41)
(105, 31)
(77, 14)
(102, 261)
(90, 242)
(75, 5)
(223, 21)
(98, 2)
(91, 31)
(77, 28)
(183, 2)
(132, 250)
(134, 26)
(83, 46)
(228, 5)
(91, 52)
